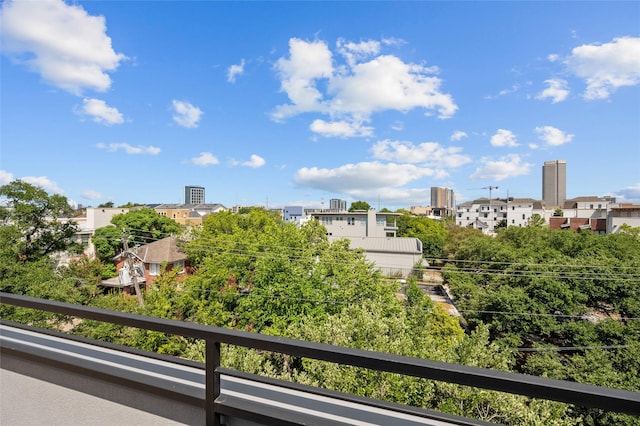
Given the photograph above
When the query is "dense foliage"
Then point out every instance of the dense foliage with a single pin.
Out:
(141, 226)
(528, 288)
(569, 300)
(432, 233)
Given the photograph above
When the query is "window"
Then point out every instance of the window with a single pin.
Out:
(351, 221)
(590, 206)
(522, 216)
(179, 266)
(513, 208)
(154, 269)
(513, 221)
(381, 221)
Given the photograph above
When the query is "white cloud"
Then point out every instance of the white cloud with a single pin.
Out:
(355, 52)
(90, 194)
(552, 136)
(534, 146)
(186, 114)
(101, 112)
(235, 70)
(130, 149)
(458, 135)
(630, 194)
(556, 90)
(6, 177)
(350, 92)
(504, 138)
(397, 126)
(427, 153)
(205, 159)
(255, 162)
(606, 67)
(44, 183)
(342, 129)
(365, 176)
(63, 43)
(505, 167)
(514, 88)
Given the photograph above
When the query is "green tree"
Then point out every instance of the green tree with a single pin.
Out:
(431, 232)
(535, 221)
(108, 205)
(142, 226)
(359, 205)
(37, 223)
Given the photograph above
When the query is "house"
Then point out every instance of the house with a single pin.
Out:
(92, 219)
(148, 260)
(360, 223)
(393, 256)
(627, 214)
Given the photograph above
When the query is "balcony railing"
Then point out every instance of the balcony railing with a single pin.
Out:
(531, 386)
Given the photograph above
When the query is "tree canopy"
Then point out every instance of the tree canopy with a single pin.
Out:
(142, 226)
(35, 224)
(359, 205)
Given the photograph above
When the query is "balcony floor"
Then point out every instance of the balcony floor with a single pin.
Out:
(28, 401)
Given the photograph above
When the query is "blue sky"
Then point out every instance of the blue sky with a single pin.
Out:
(295, 103)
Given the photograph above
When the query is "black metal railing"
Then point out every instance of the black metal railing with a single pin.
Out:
(537, 387)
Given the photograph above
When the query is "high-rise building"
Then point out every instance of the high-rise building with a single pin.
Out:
(194, 194)
(442, 198)
(337, 204)
(554, 182)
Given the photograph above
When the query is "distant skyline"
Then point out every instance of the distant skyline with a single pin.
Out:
(298, 103)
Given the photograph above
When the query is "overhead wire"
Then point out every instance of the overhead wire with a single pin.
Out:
(209, 245)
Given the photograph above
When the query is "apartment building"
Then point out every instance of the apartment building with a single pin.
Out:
(194, 195)
(358, 223)
(483, 214)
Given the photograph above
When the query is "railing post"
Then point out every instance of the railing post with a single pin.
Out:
(212, 381)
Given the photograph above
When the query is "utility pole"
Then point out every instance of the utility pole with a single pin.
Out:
(490, 188)
(132, 269)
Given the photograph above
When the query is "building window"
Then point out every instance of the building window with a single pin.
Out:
(179, 266)
(513, 208)
(351, 221)
(522, 216)
(381, 221)
(513, 221)
(154, 269)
